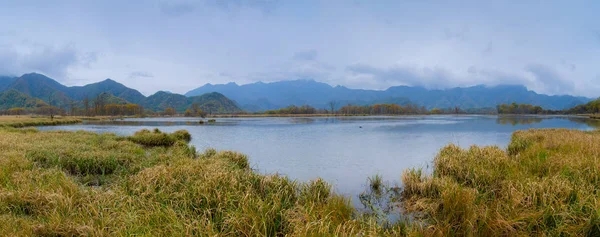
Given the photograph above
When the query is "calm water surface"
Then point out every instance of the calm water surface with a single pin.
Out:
(343, 151)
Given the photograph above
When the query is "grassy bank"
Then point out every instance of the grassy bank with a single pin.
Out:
(29, 121)
(57, 183)
(546, 183)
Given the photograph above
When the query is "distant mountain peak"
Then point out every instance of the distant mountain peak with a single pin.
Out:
(109, 80)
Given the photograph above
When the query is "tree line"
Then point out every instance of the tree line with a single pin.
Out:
(376, 109)
(592, 107)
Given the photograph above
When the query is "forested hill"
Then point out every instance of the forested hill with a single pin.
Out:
(210, 102)
(29, 90)
(15, 99)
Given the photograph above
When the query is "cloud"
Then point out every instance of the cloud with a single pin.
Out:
(456, 34)
(538, 77)
(434, 78)
(51, 60)
(88, 58)
(265, 6)
(308, 55)
(176, 9)
(493, 77)
(570, 66)
(140, 74)
(303, 65)
(488, 50)
(549, 79)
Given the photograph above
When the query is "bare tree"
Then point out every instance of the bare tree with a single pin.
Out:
(50, 109)
(86, 105)
(332, 105)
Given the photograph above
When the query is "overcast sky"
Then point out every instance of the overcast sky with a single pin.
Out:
(549, 46)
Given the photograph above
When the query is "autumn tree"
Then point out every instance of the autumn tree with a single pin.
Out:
(48, 110)
(99, 104)
(16, 111)
(170, 111)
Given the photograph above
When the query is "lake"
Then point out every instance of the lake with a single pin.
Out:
(343, 150)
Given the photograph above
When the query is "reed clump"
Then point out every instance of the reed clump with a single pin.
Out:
(157, 138)
(56, 183)
(546, 183)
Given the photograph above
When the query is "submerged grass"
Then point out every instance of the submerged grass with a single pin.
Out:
(546, 183)
(57, 183)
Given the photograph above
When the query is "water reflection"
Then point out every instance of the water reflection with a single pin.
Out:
(300, 120)
(514, 120)
(595, 123)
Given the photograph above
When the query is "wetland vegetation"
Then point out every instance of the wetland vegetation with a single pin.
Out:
(58, 183)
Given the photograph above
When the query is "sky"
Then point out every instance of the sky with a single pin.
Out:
(552, 47)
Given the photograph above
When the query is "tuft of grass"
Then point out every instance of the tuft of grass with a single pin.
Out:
(157, 138)
(376, 183)
(183, 135)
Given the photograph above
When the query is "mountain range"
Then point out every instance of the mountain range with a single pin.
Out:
(264, 96)
(33, 89)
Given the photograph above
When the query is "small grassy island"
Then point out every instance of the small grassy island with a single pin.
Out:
(57, 183)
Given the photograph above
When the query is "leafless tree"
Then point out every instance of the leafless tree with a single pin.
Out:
(332, 106)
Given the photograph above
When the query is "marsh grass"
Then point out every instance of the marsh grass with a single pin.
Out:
(157, 138)
(57, 183)
(545, 184)
(30, 121)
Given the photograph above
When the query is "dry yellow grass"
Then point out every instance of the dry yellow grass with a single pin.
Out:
(58, 183)
(546, 183)
(27, 121)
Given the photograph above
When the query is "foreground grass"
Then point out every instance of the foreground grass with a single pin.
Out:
(29, 121)
(546, 183)
(58, 183)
